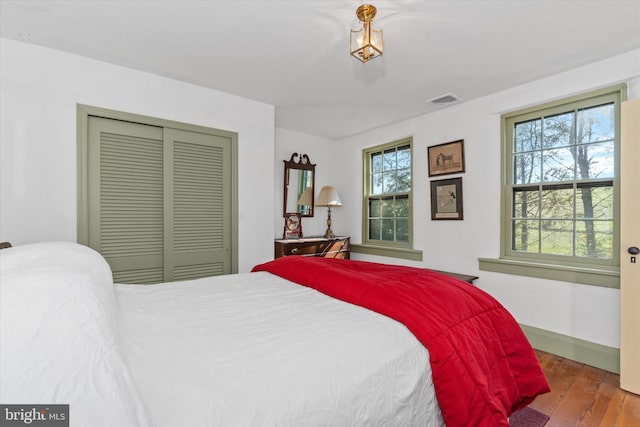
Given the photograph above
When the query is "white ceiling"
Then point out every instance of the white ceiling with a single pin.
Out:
(294, 54)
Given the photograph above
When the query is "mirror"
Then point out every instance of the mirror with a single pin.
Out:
(299, 180)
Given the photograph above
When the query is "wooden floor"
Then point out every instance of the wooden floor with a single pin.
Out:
(584, 396)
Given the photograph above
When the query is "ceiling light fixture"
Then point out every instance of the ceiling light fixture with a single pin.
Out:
(366, 43)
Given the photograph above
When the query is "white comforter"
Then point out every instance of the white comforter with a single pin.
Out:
(256, 350)
(239, 350)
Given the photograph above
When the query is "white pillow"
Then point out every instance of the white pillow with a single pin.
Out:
(58, 335)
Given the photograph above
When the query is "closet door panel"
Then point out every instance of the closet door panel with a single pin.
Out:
(197, 205)
(126, 198)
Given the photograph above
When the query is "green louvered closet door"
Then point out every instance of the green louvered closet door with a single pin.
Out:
(198, 205)
(159, 201)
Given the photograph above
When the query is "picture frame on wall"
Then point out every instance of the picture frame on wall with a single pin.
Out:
(446, 199)
(447, 158)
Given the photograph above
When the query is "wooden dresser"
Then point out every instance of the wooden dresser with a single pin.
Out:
(337, 247)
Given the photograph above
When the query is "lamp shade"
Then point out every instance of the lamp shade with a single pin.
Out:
(306, 197)
(328, 197)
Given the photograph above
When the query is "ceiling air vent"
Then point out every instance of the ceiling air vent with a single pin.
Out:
(444, 100)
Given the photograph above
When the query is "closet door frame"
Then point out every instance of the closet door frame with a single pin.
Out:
(83, 112)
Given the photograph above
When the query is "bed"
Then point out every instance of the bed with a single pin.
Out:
(252, 349)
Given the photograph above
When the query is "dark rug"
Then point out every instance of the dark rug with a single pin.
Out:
(528, 417)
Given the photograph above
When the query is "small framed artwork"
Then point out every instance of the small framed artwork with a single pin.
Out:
(446, 199)
(447, 158)
(292, 226)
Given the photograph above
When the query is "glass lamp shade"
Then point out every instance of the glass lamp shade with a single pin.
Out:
(366, 43)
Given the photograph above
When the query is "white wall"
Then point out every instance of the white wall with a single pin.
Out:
(40, 88)
(586, 312)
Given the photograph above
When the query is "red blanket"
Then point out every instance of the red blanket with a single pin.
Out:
(483, 366)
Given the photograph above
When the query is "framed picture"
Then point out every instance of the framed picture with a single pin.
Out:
(446, 199)
(292, 226)
(447, 158)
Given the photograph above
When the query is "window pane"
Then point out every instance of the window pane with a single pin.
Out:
(557, 237)
(402, 207)
(558, 165)
(404, 180)
(527, 135)
(557, 130)
(376, 162)
(390, 160)
(389, 182)
(594, 239)
(387, 208)
(526, 203)
(525, 236)
(374, 208)
(596, 124)
(595, 160)
(376, 183)
(526, 168)
(388, 229)
(374, 229)
(404, 157)
(402, 230)
(557, 203)
(594, 202)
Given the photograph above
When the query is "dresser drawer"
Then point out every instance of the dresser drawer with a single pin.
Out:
(329, 248)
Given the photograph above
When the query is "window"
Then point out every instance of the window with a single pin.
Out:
(387, 202)
(560, 198)
(562, 191)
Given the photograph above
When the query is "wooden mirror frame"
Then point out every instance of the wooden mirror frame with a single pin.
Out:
(302, 163)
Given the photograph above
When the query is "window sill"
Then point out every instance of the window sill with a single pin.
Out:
(404, 253)
(608, 277)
